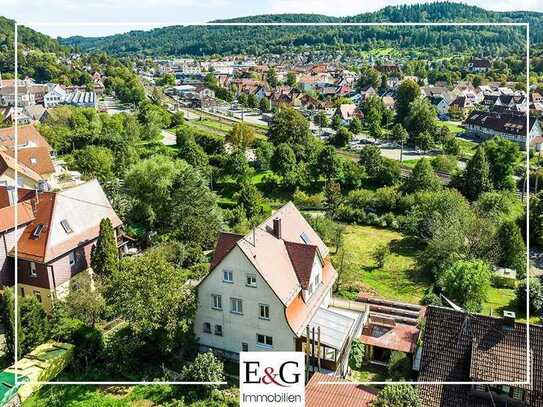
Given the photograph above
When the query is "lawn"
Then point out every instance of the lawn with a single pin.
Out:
(399, 279)
(504, 299)
(369, 373)
(467, 147)
(409, 163)
(453, 127)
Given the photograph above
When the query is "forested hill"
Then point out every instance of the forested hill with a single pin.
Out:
(28, 40)
(198, 40)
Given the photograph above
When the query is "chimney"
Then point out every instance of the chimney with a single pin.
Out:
(277, 227)
(508, 321)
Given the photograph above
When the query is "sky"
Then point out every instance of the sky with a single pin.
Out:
(103, 17)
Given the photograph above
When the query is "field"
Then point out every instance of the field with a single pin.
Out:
(399, 279)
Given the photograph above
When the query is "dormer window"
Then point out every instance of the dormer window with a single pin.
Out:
(66, 226)
(37, 231)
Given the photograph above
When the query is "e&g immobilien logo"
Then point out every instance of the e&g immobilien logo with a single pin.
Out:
(272, 379)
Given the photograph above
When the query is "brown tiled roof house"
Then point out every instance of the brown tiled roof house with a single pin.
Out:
(460, 347)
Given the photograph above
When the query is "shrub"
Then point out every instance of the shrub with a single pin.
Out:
(386, 199)
(205, 368)
(87, 340)
(399, 366)
(380, 254)
(430, 298)
(397, 395)
(445, 163)
(303, 200)
(357, 353)
(536, 295)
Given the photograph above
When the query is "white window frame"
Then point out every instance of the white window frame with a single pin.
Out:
(253, 278)
(33, 272)
(236, 305)
(264, 307)
(216, 301)
(228, 273)
(264, 344)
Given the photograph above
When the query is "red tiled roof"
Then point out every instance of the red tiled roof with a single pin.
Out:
(37, 159)
(7, 216)
(298, 311)
(83, 206)
(25, 135)
(227, 241)
(341, 395)
(401, 337)
(302, 257)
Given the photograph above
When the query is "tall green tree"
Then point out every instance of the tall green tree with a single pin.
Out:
(342, 137)
(105, 255)
(467, 282)
(328, 163)
(264, 105)
(283, 160)
(513, 248)
(289, 126)
(422, 178)
(355, 126)
(333, 198)
(241, 136)
(408, 91)
(399, 135)
(421, 118)
(158, 306)
(271, 77)
(250, 199)
(503, 157)
(476, 178)
(8, 319)
(34, 323)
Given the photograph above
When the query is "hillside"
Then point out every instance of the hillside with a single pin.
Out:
(35, 49)
(198, 40)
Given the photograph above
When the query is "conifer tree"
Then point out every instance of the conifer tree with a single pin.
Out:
(423, 178)
(105, 256)
(476, 179)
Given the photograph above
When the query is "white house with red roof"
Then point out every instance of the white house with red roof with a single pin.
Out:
(265, 289)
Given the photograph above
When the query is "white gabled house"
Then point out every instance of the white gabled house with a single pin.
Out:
(266, 288)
